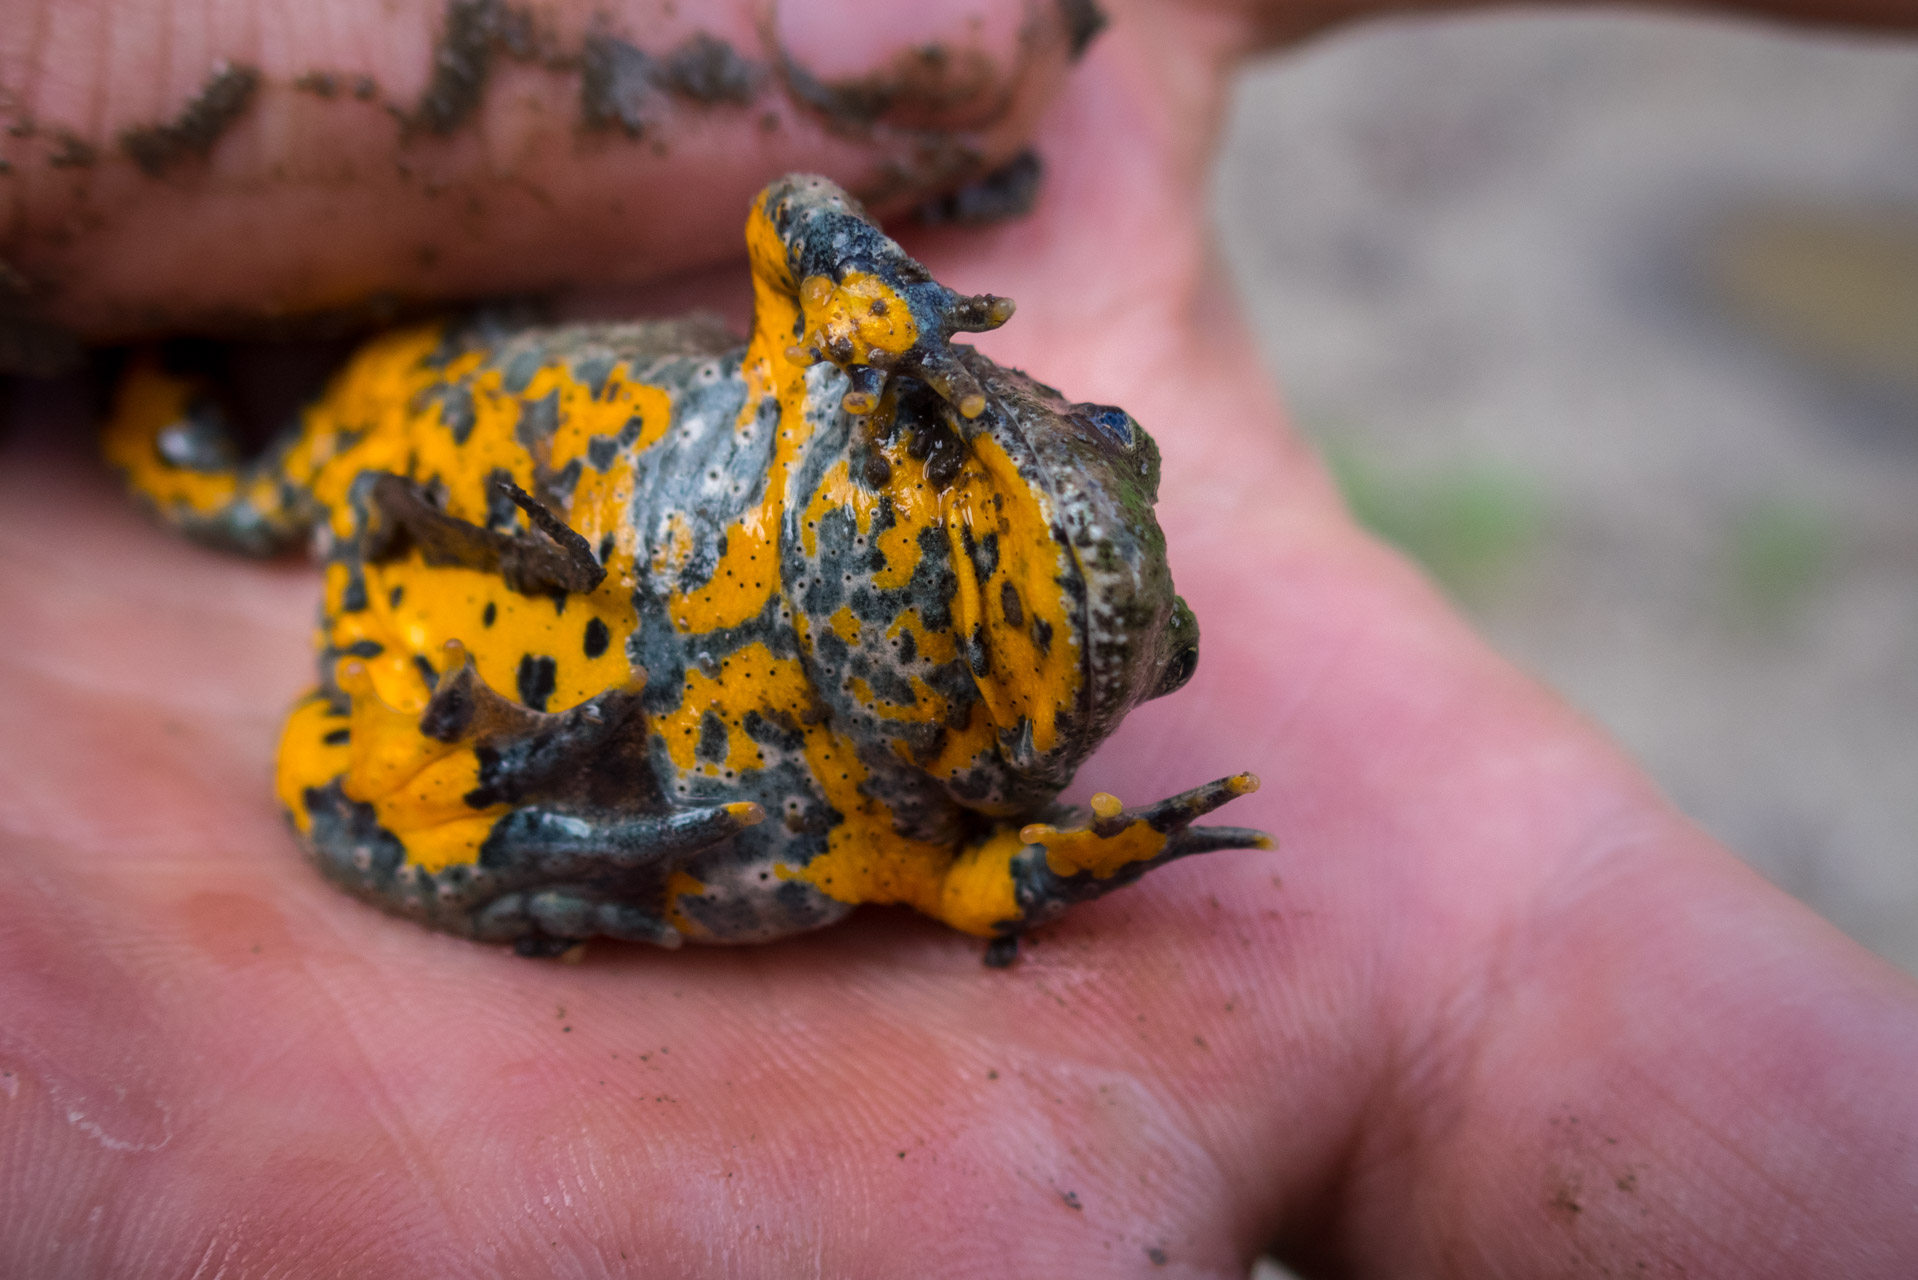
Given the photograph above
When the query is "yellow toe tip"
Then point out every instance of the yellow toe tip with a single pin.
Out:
(1243, 784)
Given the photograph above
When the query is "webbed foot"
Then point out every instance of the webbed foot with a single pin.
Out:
(1116, 845)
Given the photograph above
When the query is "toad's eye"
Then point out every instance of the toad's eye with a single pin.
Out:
(1111, 424)
(1178, 671)
(1182, 642)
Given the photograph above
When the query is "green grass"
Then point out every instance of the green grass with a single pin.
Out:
(1778, 552)
(1469, 524)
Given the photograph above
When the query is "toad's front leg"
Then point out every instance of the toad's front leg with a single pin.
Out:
(1018, 877)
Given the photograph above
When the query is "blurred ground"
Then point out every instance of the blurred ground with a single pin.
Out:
(1612, 321)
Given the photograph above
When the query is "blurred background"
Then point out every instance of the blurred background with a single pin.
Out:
(1611, 322)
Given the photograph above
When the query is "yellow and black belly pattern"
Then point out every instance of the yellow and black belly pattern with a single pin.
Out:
(638, 631)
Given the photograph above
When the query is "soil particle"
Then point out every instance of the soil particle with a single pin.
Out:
(1007, 192)
(191, 134)
(922, 86)
(73, 152)
(321, 84)
(706, 69)
(620, 83)
(462, 60)
(615, 80)
(1084, 20)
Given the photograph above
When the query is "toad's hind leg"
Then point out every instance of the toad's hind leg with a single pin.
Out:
(828, 284)
(168, 436)
(486, 819)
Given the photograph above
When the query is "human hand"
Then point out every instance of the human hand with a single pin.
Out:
(1492, 1007)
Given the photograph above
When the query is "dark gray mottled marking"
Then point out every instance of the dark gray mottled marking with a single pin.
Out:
(537, 676)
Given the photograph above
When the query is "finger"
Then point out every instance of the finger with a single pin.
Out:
(171, 165)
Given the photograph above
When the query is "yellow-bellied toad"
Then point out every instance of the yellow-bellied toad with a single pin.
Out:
(632, 631)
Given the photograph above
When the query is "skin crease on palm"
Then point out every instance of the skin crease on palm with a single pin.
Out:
(1493, 1008)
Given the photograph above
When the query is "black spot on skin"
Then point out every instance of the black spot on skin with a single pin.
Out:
(1009, 601)
(537, 677)
(394, 597)
(712, 738)
(426, 671)
(521, 370)
(908, 647)
(985, 555)
(1042, 635)
(597, 638)
(606, 548)
(976, 656)
(338, 738)
(538, 419)
(190, 135)
(1084, 20)
(364, 649)
(600, 452)
(456, 411)
(878, 470)
(594, 370)
(492, 613)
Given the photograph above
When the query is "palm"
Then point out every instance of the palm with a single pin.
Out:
(240, 1064)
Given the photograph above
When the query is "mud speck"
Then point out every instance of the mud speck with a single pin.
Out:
(926, 86)
(72, 152)
(191, 134)
(1007, 192)
(1084, 20)
(321, 84)
(620, 82)
(462, 59)
(364, 88)
(706, 69)
(1155, 1255)
(1071, 1199)
(615, 79)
